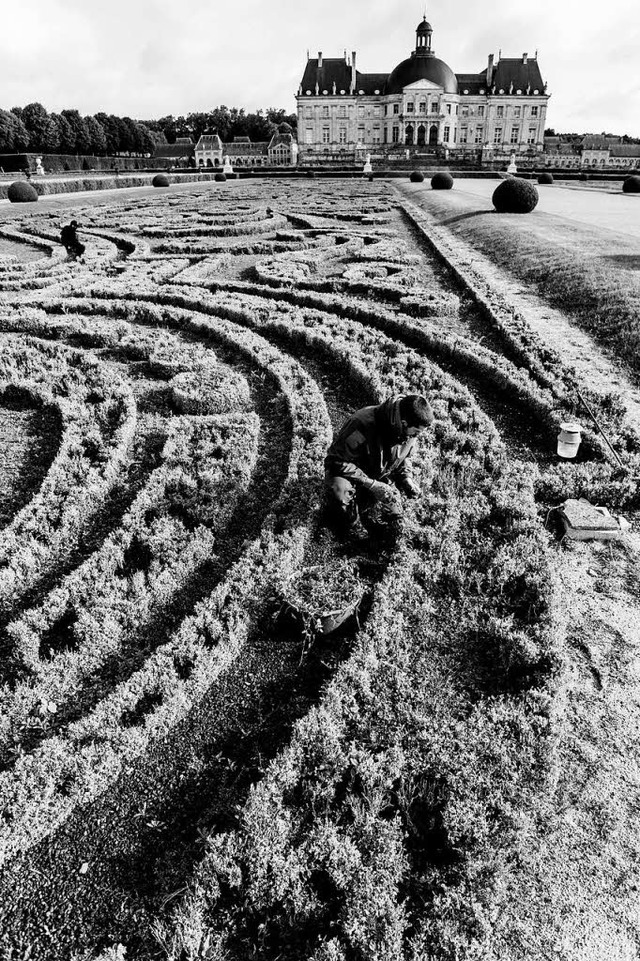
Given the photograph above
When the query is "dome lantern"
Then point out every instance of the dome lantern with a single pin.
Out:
(422, 65)
(423, 38)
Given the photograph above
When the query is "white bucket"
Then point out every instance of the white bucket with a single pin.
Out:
(569, 439)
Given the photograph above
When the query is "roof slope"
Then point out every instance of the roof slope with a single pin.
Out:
(333, 70)
(515, 73)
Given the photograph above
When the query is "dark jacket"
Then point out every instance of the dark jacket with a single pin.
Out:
(368, 446)
(68, 236)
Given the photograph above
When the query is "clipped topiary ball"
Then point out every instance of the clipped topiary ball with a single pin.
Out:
(583, 176)
(21, 192)
(161, 180)
(515, 196)
(631, 185)
(545, 178)
(416, 176)
(221, 178)
(442, 181)
(311, 173)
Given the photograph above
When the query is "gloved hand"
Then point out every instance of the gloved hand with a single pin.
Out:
(381, 492)
(410, 488)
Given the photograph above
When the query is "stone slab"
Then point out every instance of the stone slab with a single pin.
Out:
(582, 521)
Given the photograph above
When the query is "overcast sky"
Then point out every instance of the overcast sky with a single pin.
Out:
(149, 58)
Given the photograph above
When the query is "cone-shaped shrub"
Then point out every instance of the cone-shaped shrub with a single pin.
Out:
(416, 176)
(442, 181)
(220, 177)
(545, 178)
(21, 192)
(515, 196)
(160, 180)
(631, 185)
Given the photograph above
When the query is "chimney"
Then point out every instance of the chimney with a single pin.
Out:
(319, 59)
(490, 70)
(353, 69)
(525, 57)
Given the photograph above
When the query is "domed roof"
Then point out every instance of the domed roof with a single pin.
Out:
(424, 27)
(422, 68)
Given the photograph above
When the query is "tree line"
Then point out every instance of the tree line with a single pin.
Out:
(33, 128)
(227, 122)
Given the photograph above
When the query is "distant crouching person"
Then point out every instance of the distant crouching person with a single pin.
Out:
(69, 239)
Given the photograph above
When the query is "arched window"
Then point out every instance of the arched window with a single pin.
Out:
(408, 135)
(433, 135)
(421, 135)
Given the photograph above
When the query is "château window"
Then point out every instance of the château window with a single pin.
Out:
(463, 134)
(481, 110)
(478, 138)
(309, 135)
(376, 134)
(396, 108)
(532, 135)
(395, 134)
(500, 112)
(342, 112)
(342, 135)
(517, 111)
(361, 134)
(515, 134)
(325, 111)
(497, 135)
(422, 106)
(446, 134)
(410, 107)
(326, 135)
(534, 110)
(435, 107)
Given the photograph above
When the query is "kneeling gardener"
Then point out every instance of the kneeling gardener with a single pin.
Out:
(371, 451)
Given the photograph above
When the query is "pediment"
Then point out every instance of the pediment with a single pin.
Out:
(422, 85)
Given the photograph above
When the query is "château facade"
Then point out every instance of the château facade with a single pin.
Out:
(422, 106)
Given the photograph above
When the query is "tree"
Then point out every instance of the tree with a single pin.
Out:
(156, 137)
(146, 140)
(109, 124)
(43, 133)
(14, 137)
(97, 135)
(81, 133)
(131, 141)
(279, 116)
(66, 136)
